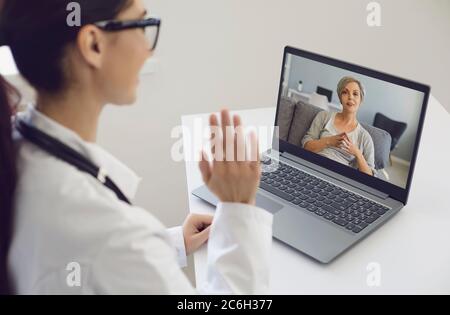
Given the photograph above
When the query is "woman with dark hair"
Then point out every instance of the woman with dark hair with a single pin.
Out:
(67, 222)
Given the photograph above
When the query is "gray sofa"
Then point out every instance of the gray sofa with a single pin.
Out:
(294, 120)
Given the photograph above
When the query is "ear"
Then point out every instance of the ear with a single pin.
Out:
(91, 43)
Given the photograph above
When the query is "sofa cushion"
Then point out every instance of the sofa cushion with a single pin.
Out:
(303, 117)
(284, 119)
(382, 143)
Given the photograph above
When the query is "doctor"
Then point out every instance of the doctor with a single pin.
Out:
(66, 203)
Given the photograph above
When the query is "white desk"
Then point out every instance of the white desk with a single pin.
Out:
(412, 249)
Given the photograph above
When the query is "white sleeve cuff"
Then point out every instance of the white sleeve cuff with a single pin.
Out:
(176, 236)
(241, 210)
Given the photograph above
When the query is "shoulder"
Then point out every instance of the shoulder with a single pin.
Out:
(57, 198)
(323, 116)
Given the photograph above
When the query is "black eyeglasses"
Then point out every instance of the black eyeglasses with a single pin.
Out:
(150, 26)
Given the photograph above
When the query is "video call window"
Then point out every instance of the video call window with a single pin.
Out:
(367, 124)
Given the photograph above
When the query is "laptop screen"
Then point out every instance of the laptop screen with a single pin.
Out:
(370, 125)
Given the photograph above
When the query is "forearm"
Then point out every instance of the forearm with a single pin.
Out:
(362, 165)
(316, 145)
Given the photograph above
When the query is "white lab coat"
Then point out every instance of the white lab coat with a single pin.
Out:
(73, 236)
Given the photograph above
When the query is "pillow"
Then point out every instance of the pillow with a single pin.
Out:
(284, 119)
(382, 143)
(303, 117)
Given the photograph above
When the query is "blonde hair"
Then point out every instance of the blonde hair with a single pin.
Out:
(346, 80)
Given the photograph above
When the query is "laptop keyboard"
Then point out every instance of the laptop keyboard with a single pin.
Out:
(335, 204)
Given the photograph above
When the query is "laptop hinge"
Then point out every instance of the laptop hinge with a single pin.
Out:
(334, 175)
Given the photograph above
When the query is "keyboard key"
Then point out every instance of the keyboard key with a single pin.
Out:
(329, 216)
(328, 208)
(311, 208)
(372, 218)
(303, 197)
(338, 206)
(320, 212)
(318, 204)
(276, 192)
(350, 227)
(356, 230)
(346, 204)
(340, 221)
(362, 225)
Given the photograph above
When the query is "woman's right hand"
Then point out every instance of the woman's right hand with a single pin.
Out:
(232, 180)
(335, 141)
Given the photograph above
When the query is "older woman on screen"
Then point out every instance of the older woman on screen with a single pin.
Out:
(339, 136)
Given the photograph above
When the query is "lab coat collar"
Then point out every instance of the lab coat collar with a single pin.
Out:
(123, 177)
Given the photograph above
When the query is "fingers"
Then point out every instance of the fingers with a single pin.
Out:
(213, 121)
(205, 167)
(227, 131)
(201, 237)
(254, 150)
(239, 140)
(194, 241)
(344, 144)
(216, 138)
(237, 121)
(202, 221)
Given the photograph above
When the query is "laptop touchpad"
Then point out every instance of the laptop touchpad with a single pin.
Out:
(268, 204)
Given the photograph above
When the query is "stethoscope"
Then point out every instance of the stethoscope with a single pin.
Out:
(67, 154)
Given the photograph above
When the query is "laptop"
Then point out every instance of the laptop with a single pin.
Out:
(322, 204)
